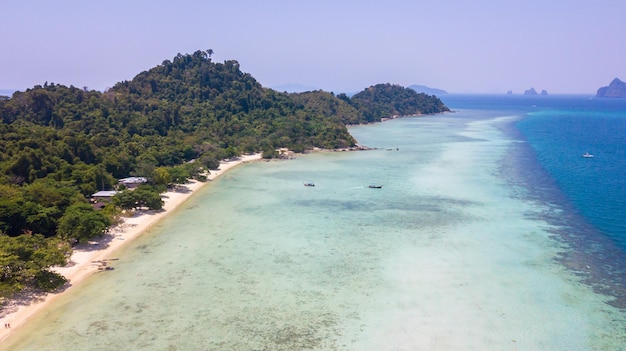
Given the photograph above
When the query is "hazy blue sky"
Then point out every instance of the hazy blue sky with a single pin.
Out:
(464, 46)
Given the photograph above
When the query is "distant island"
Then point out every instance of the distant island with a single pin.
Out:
(427, 90)
(294, 88)
(530, 92)
(6, 93)
(533, 92)
(617, 89)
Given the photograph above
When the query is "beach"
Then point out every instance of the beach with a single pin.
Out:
(450, 254)
(96, 255)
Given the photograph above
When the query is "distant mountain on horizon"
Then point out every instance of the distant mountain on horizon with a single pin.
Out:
(617, 89)
(293, 88)
(299, 88)
(7, 92)
(427, 90)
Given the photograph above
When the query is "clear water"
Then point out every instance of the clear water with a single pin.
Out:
(455, 252)
(586, 196)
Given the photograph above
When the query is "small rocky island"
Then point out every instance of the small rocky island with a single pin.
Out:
(530, 92)
(617, 89)
(533, 92)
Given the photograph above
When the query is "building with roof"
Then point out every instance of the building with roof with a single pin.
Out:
(132, 182)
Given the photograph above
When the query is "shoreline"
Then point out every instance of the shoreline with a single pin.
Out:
(94, 256)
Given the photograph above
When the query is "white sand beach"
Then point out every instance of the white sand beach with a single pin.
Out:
(94, 256)
(262, 262)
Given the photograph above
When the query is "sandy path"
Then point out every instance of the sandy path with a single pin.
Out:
(91, 257)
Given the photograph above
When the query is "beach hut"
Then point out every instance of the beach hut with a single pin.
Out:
(101, 198)
(132, 182)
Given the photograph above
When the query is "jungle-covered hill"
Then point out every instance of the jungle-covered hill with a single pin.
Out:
(59, 145)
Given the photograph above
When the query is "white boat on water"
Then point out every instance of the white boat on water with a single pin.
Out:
(587, 155)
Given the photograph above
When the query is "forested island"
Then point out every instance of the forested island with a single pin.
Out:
(59, 145)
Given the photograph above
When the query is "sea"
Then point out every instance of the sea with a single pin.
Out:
(487, 230)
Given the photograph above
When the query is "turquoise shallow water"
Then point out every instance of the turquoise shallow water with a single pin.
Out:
(584, 198)
(448, 255)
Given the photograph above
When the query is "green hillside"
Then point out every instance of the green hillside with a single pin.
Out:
(59, 145)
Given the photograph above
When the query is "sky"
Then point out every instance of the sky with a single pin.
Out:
(462, 46)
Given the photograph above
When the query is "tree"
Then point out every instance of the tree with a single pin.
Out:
(181, 174)
(145, 167)
(161, 175)
(210, 162)
(146, 196)
(25, 261)
(82, 222)
(125, 200)
(270, 152)
(143, 196)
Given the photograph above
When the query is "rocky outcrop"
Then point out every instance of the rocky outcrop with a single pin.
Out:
(530, 91)
(617, 89)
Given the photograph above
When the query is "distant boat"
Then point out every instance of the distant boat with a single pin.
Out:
(309, 184)
(587, 155)
(375, 186)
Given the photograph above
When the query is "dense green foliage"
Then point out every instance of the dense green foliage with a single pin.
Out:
(143, 196)
(25, 261)
(59, 144)
(387, 100)
(81, 222)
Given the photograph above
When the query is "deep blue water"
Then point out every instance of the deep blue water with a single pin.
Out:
(588, 194)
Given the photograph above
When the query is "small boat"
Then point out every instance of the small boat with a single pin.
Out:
(375, 186)
(309, 184)
(587, 155)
